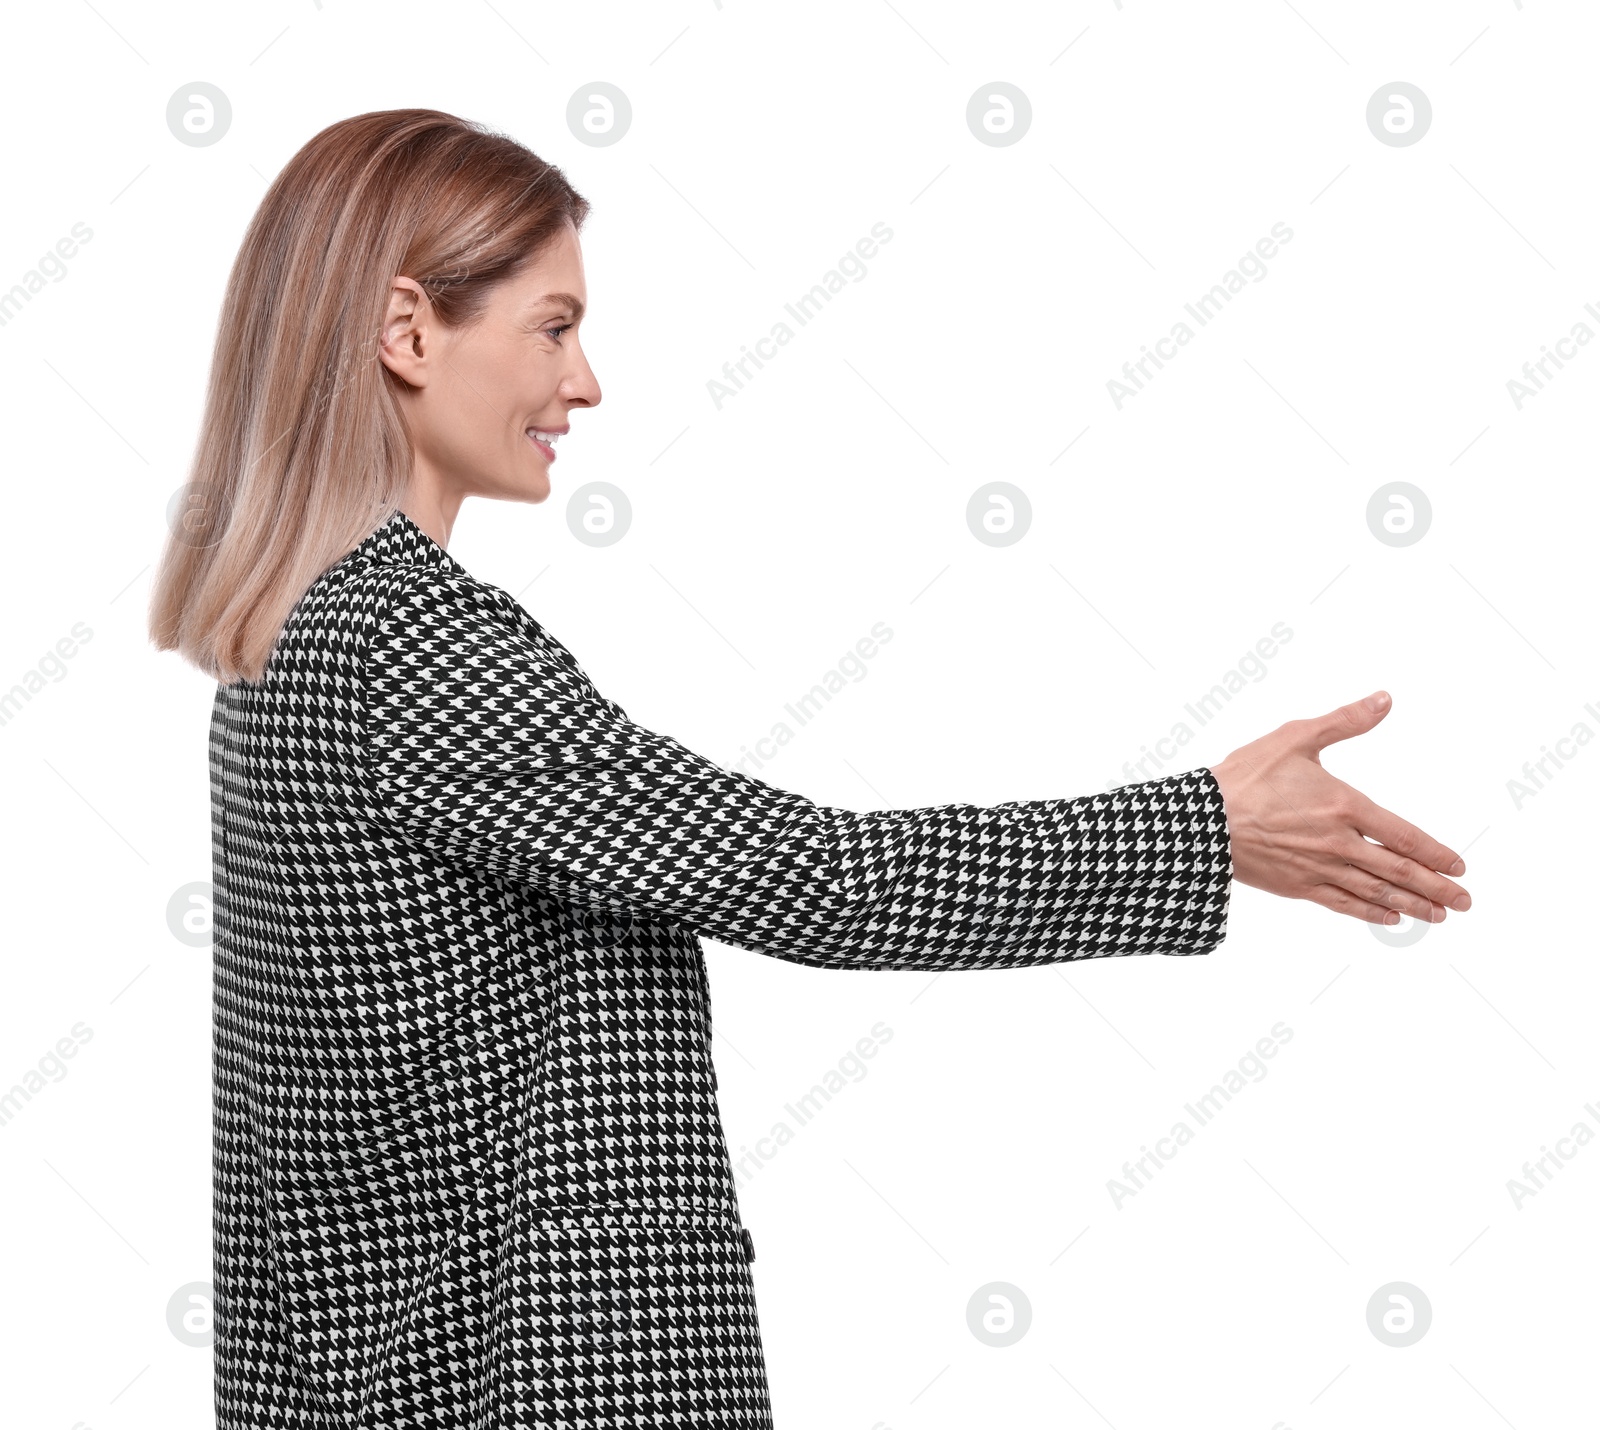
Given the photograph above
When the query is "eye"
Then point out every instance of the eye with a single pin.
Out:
(555, 333)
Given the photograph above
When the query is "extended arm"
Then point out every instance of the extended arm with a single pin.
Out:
(487, 742)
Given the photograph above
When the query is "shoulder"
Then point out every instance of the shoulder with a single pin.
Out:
(362, 613)
(389, 600)
(449, 627)
(410, 601)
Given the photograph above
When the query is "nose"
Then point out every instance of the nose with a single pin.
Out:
(580, 388)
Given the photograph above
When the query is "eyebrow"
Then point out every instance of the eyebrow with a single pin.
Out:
(560, 300)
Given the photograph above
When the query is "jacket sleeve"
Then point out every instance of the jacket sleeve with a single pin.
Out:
(488, 744)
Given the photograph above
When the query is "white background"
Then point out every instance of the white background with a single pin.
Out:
(831, 493)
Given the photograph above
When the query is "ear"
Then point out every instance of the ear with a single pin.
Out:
(406, 338)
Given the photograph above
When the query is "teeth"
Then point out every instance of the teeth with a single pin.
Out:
(550, 438)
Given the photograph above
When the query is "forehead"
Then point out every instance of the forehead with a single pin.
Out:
(554, 279)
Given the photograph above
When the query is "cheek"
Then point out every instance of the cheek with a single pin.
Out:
(486, 404)
(538, 376)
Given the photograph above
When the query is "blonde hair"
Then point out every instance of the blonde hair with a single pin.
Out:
(302, 450)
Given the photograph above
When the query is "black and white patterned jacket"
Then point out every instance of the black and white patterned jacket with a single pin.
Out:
(469, 1169)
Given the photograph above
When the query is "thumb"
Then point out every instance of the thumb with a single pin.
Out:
(1355, 718)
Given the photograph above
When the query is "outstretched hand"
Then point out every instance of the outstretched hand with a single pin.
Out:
(1297, 831)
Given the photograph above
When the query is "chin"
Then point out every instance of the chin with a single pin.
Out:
(532, 489)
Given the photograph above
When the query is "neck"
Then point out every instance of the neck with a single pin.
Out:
(431, 508)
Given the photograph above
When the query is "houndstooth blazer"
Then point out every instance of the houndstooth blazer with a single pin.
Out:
(469, 1169)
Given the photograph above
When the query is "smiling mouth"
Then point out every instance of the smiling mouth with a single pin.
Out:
(544, 441)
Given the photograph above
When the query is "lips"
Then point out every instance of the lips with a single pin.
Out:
(545, 441)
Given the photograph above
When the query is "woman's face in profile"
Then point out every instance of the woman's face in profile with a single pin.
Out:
(477, 397)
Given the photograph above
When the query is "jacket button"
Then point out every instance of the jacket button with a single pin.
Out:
(749, 1244)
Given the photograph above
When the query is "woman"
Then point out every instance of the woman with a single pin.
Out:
(469, 1165)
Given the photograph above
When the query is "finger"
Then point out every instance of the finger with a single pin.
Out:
(1390, 830)
(1342, 901)
(1400, 902)
(1406, 873)
(1370, 889)
(1355, 718)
